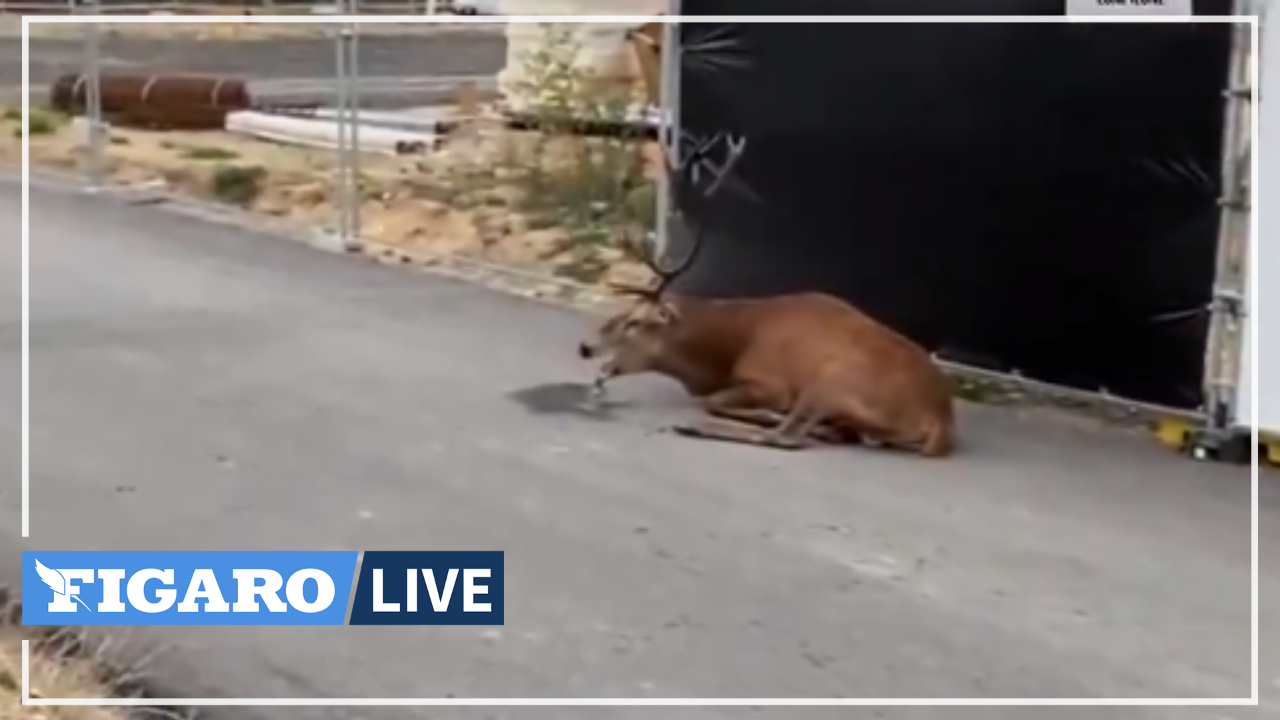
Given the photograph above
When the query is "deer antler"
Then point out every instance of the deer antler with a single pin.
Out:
(685, 172)
(665, 276)
(639, 251)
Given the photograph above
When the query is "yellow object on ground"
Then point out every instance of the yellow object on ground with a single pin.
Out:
(1174, 433)
(1270, 448)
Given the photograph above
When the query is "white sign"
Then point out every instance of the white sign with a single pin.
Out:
(1129, 7)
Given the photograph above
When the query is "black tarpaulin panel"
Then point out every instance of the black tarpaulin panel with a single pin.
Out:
(1032, 197)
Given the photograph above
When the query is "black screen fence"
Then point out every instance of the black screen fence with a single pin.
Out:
(1039, 198)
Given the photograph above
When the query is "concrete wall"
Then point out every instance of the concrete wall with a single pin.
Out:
(605, 50)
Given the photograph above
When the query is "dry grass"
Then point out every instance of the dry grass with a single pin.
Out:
(53, 675)
(66, 663)
(507, 198)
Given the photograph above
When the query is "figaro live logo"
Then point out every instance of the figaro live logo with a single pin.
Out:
(263, 588)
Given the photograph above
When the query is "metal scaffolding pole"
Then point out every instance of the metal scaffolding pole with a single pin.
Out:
(1222, 357)
(668, 124)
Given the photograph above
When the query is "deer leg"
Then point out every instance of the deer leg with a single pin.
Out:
(726, 430)
(736, 415)
(735, 404)
(806, 415)
(772, 420)
(790, 432)
(740, 404)
(739, 415)
(849, 410)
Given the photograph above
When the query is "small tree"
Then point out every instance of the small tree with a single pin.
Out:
(591, 185)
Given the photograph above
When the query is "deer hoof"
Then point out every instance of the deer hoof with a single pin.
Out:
(686, 430)
(785, 442)
(831, 436)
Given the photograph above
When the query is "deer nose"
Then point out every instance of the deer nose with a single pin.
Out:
(585, 351)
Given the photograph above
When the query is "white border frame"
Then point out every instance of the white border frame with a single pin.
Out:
(27, 20)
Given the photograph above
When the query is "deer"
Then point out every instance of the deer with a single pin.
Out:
(777, 371)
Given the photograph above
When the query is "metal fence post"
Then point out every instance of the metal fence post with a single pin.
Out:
(340, 102)
(668, 125)
(346, 186)
(93, 95)
(354, 194)
(340, 122)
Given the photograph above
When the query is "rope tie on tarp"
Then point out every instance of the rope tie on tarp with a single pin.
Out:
(1178, 316)
(713, 48)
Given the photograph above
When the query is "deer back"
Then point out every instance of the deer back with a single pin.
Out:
(811, 337)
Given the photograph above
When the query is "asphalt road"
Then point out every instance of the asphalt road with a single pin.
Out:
(195, 386)
(388, 64)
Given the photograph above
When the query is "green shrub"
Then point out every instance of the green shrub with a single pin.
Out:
(238, 184)
(587, 185)
(208, 153)
(40, 123)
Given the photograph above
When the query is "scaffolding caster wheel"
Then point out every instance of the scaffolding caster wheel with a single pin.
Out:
(1220, 445)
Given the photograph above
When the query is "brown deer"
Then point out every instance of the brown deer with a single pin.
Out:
(781, 370)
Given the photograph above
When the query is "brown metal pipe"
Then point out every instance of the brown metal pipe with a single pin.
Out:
(157, 102)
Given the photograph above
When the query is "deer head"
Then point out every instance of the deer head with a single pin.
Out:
(633, 339)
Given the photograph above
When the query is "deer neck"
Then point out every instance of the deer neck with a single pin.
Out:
(712, 335)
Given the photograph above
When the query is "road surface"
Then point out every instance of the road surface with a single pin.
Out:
(293, 70)
(195, 386)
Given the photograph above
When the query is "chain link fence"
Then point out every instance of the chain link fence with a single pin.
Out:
(384, 136)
